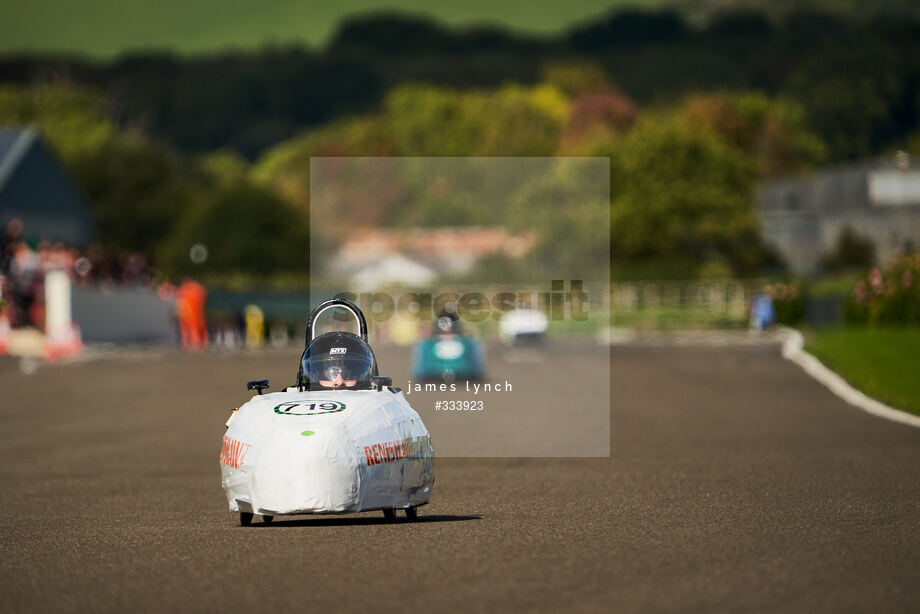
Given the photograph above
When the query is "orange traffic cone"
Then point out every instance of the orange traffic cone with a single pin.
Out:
(63, 343)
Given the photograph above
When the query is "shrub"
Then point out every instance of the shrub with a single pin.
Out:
(788, 301)
(889, 296)
(852, 251)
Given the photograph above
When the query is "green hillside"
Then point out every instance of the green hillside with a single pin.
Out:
(104, 28)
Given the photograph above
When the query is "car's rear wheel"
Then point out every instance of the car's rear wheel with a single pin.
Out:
(389, 515)
(245, 518)
(412, 513)
(267, 519)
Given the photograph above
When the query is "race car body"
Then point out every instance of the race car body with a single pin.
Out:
(341, 439)
(448, 359)
(326, 452)
(448, 354)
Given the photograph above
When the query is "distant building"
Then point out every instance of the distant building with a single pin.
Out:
(803, 217)
(392, 269)
(440, 250)
(37, 190)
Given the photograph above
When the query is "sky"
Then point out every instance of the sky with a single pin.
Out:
(104, 28)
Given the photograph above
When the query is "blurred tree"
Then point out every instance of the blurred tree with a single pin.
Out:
(568, 208)
(245, 230)
(72, 118)
(136, 187)
(392, 34)
(595, 116)
(245, 101)
(225, 167)
(858, 102)
(853, 67)
(680, 192)
(286, 167)
(511, 121)
(573, 78)
(912, 144)
(629, 28)
(460, 191)
(138, 190)
(744, 25)
(773, 131)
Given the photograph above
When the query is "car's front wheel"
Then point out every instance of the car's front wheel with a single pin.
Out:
(245, 518)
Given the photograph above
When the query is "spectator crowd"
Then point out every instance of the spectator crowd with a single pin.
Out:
(24, 264)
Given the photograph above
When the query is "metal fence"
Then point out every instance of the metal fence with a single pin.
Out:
(719, 297)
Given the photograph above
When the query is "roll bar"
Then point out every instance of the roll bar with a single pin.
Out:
(376, 382)
(331, 304)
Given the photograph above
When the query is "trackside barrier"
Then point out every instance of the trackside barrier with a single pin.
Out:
(123, 315)
(62, 336)
(727, 297)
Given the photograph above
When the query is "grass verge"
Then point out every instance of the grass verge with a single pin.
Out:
(883, 363)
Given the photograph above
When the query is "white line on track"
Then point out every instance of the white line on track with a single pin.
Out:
(793, 350)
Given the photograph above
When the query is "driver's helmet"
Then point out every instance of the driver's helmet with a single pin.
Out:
(338, 360)
(447, 324)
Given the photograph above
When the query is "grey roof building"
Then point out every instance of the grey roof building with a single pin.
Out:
(35, 188)
(803, 217)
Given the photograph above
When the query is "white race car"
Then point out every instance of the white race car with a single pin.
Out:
(523, 327)
(340, 440)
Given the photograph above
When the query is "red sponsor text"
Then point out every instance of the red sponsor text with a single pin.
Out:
(233, 453)
(386, 452)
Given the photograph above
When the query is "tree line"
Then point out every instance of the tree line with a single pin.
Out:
(858, 80)
(690, 119)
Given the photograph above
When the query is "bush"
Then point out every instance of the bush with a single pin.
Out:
(889, 296)
(852, 251)
(788, 301)
(246, 230)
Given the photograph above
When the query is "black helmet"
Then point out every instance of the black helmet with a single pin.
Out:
(337, 360)
(448, 323)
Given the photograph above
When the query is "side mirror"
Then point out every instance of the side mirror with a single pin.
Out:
(257, 384)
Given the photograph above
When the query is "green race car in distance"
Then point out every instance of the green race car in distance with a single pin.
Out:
(448, 354)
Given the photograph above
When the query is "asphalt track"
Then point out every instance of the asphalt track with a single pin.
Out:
(735, 483)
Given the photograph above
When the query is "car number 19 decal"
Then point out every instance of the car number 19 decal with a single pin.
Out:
(309, 408)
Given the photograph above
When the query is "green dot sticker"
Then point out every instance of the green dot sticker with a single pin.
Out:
(308, 433)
